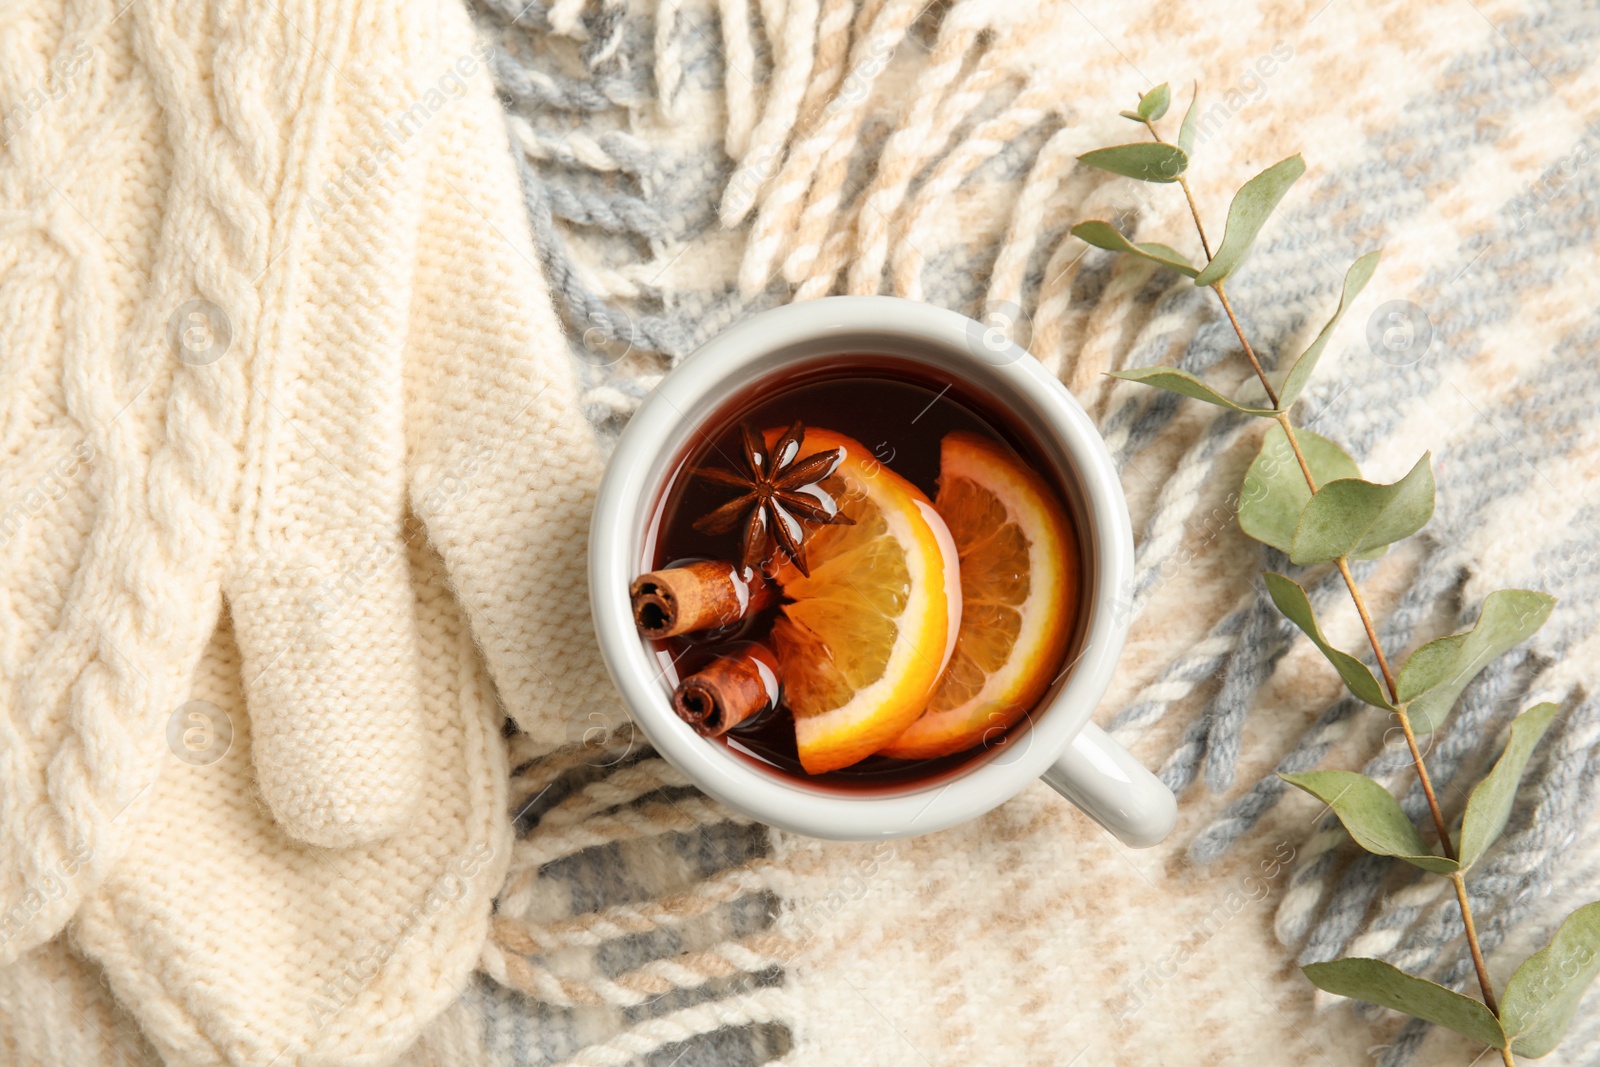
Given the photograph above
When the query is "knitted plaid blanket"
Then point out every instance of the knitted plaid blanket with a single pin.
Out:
(686, 163)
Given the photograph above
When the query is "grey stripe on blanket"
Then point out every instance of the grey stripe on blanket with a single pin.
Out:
(625, 127)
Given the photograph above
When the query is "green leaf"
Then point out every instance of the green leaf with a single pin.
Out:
(1153, 105)
(1489, 806)
(1179, 381)
(1104, 235)
(1372, 816)
(1149, 161)
(1437, 672)
(1355, 280)
(1543, 995)
(1350, 517)
(1252, 205)
(1275, 491)
(1186, 132)
(1380, 983)
(1133, 116)
(1296, 606)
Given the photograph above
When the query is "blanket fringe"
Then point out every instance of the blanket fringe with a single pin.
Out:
(834, 188)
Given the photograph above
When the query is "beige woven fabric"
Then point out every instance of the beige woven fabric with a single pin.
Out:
(928, 151)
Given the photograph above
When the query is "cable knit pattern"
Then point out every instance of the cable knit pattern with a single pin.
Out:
(327, 310)
(209, 413)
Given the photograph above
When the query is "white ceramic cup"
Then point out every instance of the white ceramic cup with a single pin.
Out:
(1058, 743)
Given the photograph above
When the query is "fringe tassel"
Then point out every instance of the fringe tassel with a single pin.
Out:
(1029, 108)
(1055, 318)
(819, 164)
(757, 1006)
(1006, 278)
(597, 927)
(793, 55)
(565, 18)
(833, 46)
(684, 814)
(1103, 334)
(669, 57)
(504, 961)
(738, 78)
(917, 139)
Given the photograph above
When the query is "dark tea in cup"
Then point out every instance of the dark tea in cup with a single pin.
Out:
(861, 577)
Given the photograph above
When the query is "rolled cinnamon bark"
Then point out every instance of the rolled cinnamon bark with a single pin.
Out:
(735, 687)
(700, 596)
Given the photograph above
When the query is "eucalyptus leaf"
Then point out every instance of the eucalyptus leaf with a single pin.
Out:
(1180, 381)
(1275, 491)
(1186, 132)
(1132, 116)
(1153, 105)
(1296, 606)
(1435, 674)
(1371, 815)
(1380, 983)
(1355, 280)
(1542, 997)
(1489, 806)
(1149, 161)
(1104, 235)
(1252, 205)
(1350, 517)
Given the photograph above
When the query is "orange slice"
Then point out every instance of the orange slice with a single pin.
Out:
(867, 634)
(1019, 588)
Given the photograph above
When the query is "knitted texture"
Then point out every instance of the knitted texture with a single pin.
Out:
(55, 1008)
(177, 402)
(370, 335)
(687, 163)
(266, 951)
(684, 163)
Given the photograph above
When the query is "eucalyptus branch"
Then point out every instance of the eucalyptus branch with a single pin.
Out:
(1342, 562)
(1255, 364)
(1328, 514)
(1200, 227)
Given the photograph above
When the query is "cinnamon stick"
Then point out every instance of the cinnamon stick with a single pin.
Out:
(735, 687)
(707, 595)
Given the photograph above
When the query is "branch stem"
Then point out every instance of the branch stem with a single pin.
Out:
(1195, 211)
(1460, 883)
(1272, 395)
(1424, 779)
(1188, 195)
(1439, 825)
(1372, 638)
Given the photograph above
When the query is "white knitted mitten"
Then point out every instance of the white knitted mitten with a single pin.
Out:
(504, 464)
(232, 944)
(208, 233)
(229, 942)
(55, 1010)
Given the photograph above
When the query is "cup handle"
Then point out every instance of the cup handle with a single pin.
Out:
(1114, 789)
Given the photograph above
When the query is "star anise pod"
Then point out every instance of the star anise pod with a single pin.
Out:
(779, 496)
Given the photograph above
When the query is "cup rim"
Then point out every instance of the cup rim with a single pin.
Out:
(624, 500)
